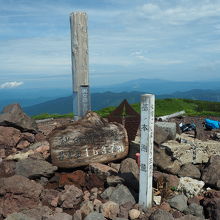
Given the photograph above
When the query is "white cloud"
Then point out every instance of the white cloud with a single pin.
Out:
(10, 85)
(180, 13)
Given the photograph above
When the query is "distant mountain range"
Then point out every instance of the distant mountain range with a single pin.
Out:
(102, 100)
(52, 100)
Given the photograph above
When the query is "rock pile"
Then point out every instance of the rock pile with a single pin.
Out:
(33, 187)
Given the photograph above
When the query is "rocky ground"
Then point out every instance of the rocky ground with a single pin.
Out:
(186, 178)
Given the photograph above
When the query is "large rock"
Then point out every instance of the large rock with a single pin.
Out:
(129, 171)
(190, 217)
(191, 187)
(211, 174)
(192, 150)
(33, 168)
(12, 115)
(18, 193)
(91, 139)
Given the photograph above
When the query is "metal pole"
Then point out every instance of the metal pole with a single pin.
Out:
(146, 150)
(80, 73)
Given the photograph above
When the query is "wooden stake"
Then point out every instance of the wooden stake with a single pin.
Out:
(80, 73)
(146, 150)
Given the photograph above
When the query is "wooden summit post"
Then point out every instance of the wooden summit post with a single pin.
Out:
(146, 150)
(80, 73)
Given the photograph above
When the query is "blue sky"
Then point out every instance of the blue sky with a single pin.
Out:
(128, 39)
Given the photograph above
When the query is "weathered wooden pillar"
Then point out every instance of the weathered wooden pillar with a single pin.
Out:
(146, 150)
(80, 72)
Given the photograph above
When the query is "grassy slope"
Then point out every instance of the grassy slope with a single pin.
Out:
(165, 107)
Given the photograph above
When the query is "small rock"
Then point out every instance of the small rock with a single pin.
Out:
(86, 208)
(115, 166)
(134, 214)
(50, 197)
(194, 209)
(97, 205)
(23, 144)
(101, 170)
(60, 216)
(78, 178)
(110, 209)
(107, 193)
(9, 136)
(86, 195)
(165, 206)
(2, 153)
(157, 200)
(189, 170)
(178, 202)
(169, 127)
(95, 216)
(92, 180)
(120, 195)
(114, 180)
(124, 209)
(71, 196)
(77, 215)
(189, 186)
(7, 168)
(164, 161)
(161, 215)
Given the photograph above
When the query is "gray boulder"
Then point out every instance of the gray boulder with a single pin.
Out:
(13, 115)
(178, 202)
(33, 168)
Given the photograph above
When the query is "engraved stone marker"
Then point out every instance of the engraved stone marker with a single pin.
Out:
(90, 139)
(146, 150)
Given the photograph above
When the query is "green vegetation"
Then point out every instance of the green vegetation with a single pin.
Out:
(46, 115)
(163, 107)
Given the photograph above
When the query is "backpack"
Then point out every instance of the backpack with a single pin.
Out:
(211, 124)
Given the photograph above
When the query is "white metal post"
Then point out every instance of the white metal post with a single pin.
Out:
(80, 73)
(146, 150)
